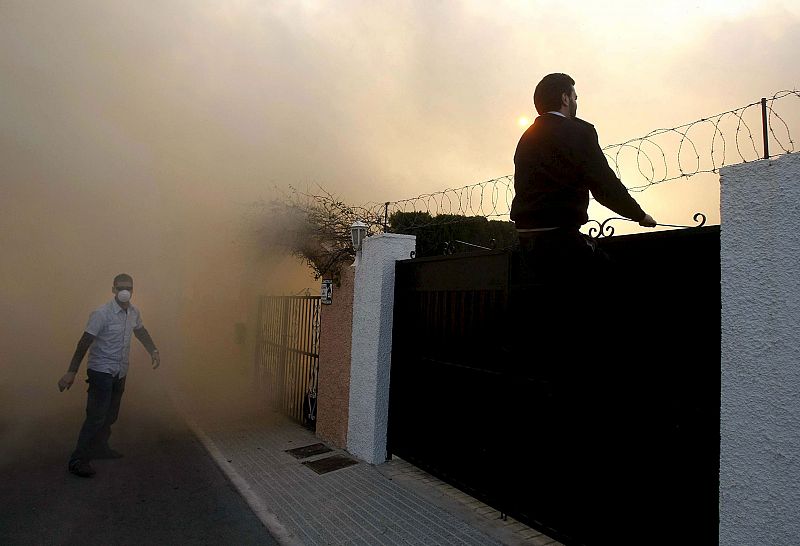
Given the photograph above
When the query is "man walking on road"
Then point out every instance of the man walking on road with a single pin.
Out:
(108, 333)
(557, 163)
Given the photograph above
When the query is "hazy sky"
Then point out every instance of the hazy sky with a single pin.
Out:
(132, 133)
(375, 100)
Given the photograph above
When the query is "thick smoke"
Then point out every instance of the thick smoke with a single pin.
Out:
(134, 135)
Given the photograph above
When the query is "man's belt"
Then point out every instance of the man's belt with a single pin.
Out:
(536, 230)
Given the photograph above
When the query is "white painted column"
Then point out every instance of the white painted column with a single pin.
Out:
(759, 497)
(373, 306)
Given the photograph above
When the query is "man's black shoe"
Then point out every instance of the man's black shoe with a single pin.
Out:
(82, 469)
(107, 453)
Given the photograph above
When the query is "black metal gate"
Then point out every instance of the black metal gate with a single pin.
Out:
(287, 354)
(591, 411)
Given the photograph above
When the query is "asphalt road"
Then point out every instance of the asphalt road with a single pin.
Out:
(166, 490)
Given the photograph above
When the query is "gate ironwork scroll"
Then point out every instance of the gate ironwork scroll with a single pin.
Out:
(287, 354)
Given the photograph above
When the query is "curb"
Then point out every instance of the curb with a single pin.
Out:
(267, 517)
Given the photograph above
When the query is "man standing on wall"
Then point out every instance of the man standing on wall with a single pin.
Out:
(108, 333)
(557, 163)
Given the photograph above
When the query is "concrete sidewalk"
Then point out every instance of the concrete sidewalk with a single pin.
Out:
(394, 503)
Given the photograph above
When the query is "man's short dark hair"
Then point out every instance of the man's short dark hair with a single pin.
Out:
(547, 95)
(123, 277)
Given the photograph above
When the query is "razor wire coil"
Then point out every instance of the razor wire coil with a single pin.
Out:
(660, 156)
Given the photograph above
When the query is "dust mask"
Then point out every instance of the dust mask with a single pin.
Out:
(124, 296)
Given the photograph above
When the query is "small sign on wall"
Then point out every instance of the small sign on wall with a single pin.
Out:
(326, 294)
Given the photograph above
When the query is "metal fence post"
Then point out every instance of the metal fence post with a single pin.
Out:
(764, 126)
(260, 349)
(284, 350)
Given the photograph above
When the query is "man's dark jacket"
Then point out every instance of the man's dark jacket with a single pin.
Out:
(557, 163)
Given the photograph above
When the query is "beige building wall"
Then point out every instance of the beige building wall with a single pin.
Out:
(333, 391)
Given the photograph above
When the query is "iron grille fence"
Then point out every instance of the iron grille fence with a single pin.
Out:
(287, 354)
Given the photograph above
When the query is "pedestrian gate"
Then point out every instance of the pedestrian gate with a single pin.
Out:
(287, 354)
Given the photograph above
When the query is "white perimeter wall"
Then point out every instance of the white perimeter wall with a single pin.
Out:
(373, 306)
(760, 408)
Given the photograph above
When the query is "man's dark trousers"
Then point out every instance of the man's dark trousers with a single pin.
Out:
(102, 409)
(562, 256)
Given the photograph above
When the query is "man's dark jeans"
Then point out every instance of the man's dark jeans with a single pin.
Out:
(558, 280)
(102, 409)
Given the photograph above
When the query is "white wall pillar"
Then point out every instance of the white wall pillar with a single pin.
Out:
(373, 305)
(759, 500)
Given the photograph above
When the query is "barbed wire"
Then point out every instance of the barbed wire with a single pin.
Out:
(660, 156)
(661, 170)
(491, 199)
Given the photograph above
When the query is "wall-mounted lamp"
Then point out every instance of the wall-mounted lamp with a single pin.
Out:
(358, 231)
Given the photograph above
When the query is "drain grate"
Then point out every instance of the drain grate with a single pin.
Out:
(329, 464)
(308, 451)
